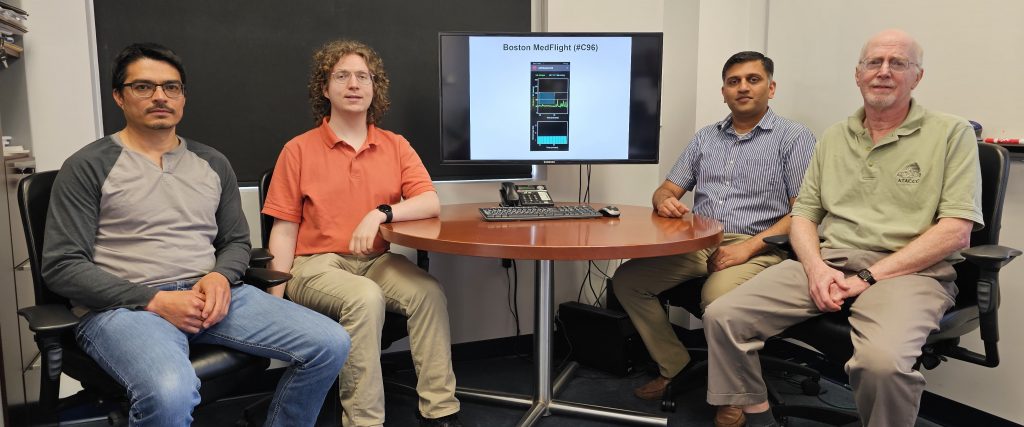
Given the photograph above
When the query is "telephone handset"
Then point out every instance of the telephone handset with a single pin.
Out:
(524, 195)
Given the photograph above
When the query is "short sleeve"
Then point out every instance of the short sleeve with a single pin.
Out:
(284, 197)
(961, 182)
(415, 178)
(684, 172)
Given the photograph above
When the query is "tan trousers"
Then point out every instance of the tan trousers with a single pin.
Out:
(357, 291)
(638, 282)
(890, 322)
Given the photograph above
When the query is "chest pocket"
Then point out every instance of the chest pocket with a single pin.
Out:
(761, 176)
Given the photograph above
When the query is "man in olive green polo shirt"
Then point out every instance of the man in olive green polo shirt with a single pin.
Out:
(896, 190)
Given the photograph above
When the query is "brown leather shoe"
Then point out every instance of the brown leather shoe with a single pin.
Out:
(729, 416)
(652, 390)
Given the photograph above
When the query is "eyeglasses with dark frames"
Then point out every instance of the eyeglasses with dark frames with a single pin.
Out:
(147, 89)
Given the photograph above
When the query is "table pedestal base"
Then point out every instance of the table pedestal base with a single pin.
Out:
(538, 410)
(541, 404)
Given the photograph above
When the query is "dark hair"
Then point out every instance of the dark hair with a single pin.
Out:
(323, 62)
(747, 56)
(137, 51)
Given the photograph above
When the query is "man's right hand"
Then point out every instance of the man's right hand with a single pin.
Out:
(820, 281)
(184, 309)
(671, 207)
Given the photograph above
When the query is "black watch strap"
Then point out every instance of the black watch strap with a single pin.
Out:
(387, 211)
(866, 276)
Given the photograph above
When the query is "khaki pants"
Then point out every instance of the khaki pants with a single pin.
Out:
(890, 322)
(357, 291)
(639, 281)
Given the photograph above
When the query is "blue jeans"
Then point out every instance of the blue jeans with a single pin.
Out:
(149, 356)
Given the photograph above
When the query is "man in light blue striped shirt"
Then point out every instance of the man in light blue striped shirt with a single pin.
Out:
(745, 171)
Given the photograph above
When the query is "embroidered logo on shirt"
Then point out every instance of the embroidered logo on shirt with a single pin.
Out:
(910, 174)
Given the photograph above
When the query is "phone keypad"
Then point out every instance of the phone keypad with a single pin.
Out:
(532, 198)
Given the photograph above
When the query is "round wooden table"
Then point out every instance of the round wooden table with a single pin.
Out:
(637, 233)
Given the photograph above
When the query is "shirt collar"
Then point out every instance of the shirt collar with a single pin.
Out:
(767, 122)
(331, 140)
(175, 152)
(910, 124)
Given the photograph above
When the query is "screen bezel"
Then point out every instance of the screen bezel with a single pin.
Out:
(658, 39)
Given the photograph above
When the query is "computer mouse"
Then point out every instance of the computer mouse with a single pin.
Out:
(610, 211)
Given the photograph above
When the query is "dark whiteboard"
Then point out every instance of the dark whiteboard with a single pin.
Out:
(248, 63)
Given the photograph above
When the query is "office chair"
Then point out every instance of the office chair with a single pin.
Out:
(688, 296)
(975, 307)
(221, 370)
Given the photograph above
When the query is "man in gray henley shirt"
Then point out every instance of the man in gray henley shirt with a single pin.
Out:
(145, 235)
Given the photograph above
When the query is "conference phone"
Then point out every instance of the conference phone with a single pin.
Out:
(524, 195)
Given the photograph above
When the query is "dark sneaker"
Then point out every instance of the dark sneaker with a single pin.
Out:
(445, 421)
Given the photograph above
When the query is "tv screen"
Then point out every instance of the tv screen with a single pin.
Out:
(546, 98)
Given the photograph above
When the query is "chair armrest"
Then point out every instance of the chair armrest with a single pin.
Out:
(260, 256)
(990, 257)
(50, 319)
(263, 278)
(780, 241)
(49, 323)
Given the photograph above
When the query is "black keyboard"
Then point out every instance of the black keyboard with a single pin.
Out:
(519, 213)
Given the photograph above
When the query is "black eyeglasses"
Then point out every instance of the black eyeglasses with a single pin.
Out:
(147, 89)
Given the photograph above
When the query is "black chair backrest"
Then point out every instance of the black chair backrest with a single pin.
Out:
(266, 221)
(995, 170)
(34, 203)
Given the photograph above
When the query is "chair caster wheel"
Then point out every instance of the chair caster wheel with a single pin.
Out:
(668, 405)
(810, 387)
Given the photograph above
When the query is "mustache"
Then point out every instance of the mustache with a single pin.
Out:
(164, 107)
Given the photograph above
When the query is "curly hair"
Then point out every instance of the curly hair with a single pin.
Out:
(323, 63)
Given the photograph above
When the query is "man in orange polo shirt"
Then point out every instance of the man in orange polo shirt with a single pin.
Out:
(333, 186)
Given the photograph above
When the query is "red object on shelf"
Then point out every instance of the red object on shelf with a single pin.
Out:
(1003, 140)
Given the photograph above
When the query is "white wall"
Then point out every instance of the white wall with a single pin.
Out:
(972, 58)
(59, 80)
(726, 27)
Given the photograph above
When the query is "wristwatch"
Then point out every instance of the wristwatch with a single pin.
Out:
(866, 276)
(387, 211)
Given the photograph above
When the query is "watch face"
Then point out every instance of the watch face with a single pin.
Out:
(386, 209)
(866, 276)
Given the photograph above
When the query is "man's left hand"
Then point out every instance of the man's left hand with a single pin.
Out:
(848, 288)
(728, 256)
(217, 292)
